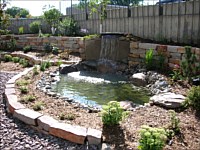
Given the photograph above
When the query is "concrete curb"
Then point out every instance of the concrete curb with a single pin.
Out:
(45, 123)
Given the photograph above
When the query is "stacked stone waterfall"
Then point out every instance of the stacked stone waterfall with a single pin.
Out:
(108, 53)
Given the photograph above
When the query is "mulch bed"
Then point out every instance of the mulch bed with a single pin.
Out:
(126, 135)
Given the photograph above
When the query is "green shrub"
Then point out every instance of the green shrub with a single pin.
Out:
(59, 63)
(23, 89)
(38, 106)
(152, 138)
(69, 116)
(34, 26)
(27, 48)
(48, 47)
(24, 62)
(112, 113)
(42, 66)
(22, 82)
(21, 30)
(15, 59)
(7, 58)
(48, 64)
(193, 98)
(174, 122)
(149, 59)
(28, 98)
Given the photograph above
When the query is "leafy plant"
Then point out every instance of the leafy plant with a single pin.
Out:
(35, 26)
(38, 105)
(27, 48)
(193, 98)
(188, 65)
(174, 122)
(176, 73)
(59, 62)
(69, 116)
(91, 36)
(35, 70)
(149, 59)
(15, 59)
(7, 58)
(21, 30)
(23, 89)
(48, 47)
(22, 82)
(48, 64)
(161, 61)
(152, 138)
(24, 62)
(11, 44)
(44, 65)
(28, 98)
(55, 50)
(112, 113)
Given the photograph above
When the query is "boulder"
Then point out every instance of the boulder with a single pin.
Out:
(168, 100)
(139, 79)
(127, 105)
(65, 69)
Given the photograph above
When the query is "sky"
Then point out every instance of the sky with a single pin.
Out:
(35, 6)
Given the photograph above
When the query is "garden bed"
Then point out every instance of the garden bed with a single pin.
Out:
(125, 136)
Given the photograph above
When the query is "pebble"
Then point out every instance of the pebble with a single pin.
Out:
(14, 134)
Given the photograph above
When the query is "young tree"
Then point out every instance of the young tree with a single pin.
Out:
(17, 11)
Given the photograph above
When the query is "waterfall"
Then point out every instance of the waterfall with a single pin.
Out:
(109, 53)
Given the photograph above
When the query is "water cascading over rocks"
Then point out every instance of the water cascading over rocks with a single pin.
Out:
(108, 54)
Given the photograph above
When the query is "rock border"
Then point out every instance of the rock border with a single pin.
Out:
(46, 124)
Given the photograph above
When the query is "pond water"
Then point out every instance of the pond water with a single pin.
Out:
(93, 89)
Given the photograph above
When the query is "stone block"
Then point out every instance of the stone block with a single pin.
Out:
(147, 46)
(181, 50)
(137, 51)
(74, 134)
(134, 45)
(174, 61)
(134, 55)
(94, 136)
(133, 63)
(197, 51)
(175, 55)
(44, 122)
(28, 116)
(161, 48)
(172, 49)
(75, 46)
(14, 105)
(9, 91)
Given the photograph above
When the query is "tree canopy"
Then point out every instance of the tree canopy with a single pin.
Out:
(17, 11)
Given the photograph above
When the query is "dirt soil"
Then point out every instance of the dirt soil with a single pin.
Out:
(126, 135)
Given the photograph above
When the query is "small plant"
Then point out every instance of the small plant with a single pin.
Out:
(91, 36)
(176, 73)
(34, 26)
(152, 138)
(55, 50)
(35, 70)
(59, 63)
(112, 113)
(149, 59)
(48, 64)
(21, 30)
(48, 47)
(188, 65)
(7, 58)
(64, 116)
(38, 106)
(24, 62)
(11, 44)
(161, 61)
(193, 98)
(174, 122)
(27, 48)
(22, 82)
(23, 89)
(15, 59)
(28, 98)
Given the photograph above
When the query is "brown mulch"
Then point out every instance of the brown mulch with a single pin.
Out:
(125, 136)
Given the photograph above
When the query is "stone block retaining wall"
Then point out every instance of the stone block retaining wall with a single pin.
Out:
(173, 54)
(71, 44)
(45, 123)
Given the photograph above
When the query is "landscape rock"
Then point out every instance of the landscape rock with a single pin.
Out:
(168, 100)
(64, 69)
(127, 105)
(44, 122)
(139, 79)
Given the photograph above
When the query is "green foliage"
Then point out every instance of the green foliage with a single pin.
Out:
(48, 47)
(69, 27)
(52, 16)
(91, 36)
(55, 50)
(112, 113)
(8, 45)
(174, 122)
(38, 105)
(193, 98)
(45, 65)
(17, 11)
(161, 61)
(22, 82)
(35, 26)
(176, 73)
(59, 63)
(15, 59)
(69, 116)
(149, 59)
(152, 138)
(188, 65)
(24, 62)
(23, 89)
(27, 48)
(21, 30)
(28, 98)
(35, 70)
(4, 32)
(7, 58)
